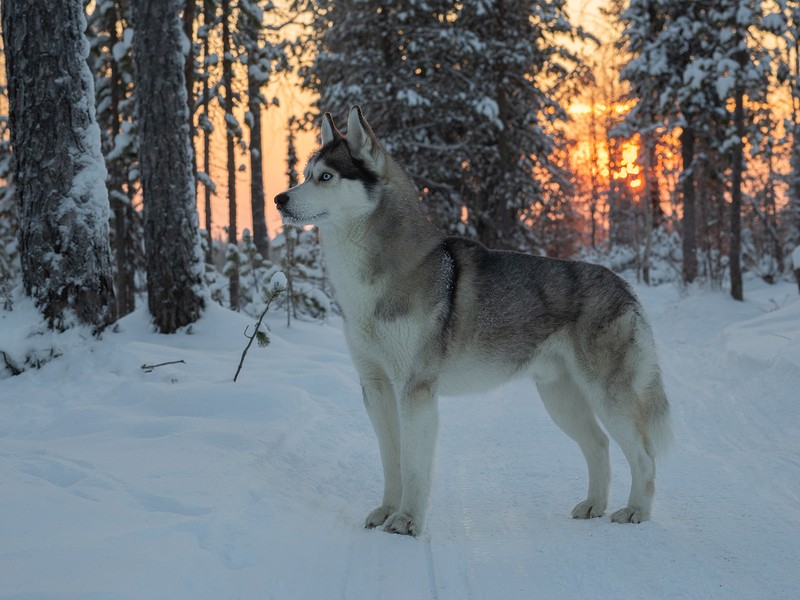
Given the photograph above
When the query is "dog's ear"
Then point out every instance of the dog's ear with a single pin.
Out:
(362, 142)
(329, 131)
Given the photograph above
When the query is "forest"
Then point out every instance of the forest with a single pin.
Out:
(141, 145)
(660, 138)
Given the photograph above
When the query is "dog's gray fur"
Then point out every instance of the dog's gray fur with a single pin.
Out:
(427, 315)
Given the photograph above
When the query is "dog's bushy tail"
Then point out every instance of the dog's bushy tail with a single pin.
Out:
(650, 388)
(659, 422)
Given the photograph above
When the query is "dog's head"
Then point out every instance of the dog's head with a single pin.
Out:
(340, 177)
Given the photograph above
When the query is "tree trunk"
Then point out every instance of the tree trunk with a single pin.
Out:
(289, 231)
(58, 167)
(689, 228)
(189, 10)
(209, 15)
(260, 237)
(735, 250)
(227, 82)
(594, 200)
(648, 142)
(174, 261)
(794, 185)
(125, 273)
(503, 208)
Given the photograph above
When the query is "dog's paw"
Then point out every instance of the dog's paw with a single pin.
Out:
(378, 517)
(629, 515)
(588, 509)
(403, 524)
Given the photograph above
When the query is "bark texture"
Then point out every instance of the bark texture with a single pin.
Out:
(260, 236)
(174, 261)
(59, 172)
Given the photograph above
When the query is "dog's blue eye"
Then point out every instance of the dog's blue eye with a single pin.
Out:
(325, 176)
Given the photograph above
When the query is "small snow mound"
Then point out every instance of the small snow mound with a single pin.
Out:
(769, 339)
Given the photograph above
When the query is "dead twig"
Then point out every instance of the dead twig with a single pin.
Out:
(149, 368)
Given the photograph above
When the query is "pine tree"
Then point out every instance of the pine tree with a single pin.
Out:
(189, 70)
(458, 94)
(397, 61)
(671, 43)
(512, 104)
(251, 269)
(232, 133)
(703, 58)
(259, 55)
(788, 23)
(643, 22)
(301, 257)
(9, 247)
(290, 231)
(209, 61)
(174, 260)
(112, 65)
(58, 170)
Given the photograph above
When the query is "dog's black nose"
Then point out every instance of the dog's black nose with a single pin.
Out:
(281, 200)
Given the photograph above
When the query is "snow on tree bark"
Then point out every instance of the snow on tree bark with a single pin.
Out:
(58, 169)
(174, 260)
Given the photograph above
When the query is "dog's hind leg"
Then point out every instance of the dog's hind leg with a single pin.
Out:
(630, 402)
(381, 405)
(568, 407)
(630, 432)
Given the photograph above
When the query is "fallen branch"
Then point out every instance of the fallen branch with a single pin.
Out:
(149, 368)
(276, 286)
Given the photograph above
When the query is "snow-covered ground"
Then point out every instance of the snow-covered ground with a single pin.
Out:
(178, 483)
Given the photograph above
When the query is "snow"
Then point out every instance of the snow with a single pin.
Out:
(412, 98)
(177, 483)
(695, 73)
(774, 23)
(277, 282)
(489, 109)
(123, 141)
(121, 48)
(87, 196)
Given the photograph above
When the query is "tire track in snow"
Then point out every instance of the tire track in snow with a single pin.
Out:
(431, 570)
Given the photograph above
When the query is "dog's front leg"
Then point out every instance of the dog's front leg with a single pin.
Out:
(419, 422)
(381, 406)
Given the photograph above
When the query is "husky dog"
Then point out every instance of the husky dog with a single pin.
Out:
(426, 314)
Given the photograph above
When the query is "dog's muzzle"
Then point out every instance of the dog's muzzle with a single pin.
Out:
(281, 200)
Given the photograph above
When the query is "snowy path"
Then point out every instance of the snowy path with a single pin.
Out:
(181, 484)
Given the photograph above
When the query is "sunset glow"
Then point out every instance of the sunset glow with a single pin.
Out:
(592, 155)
